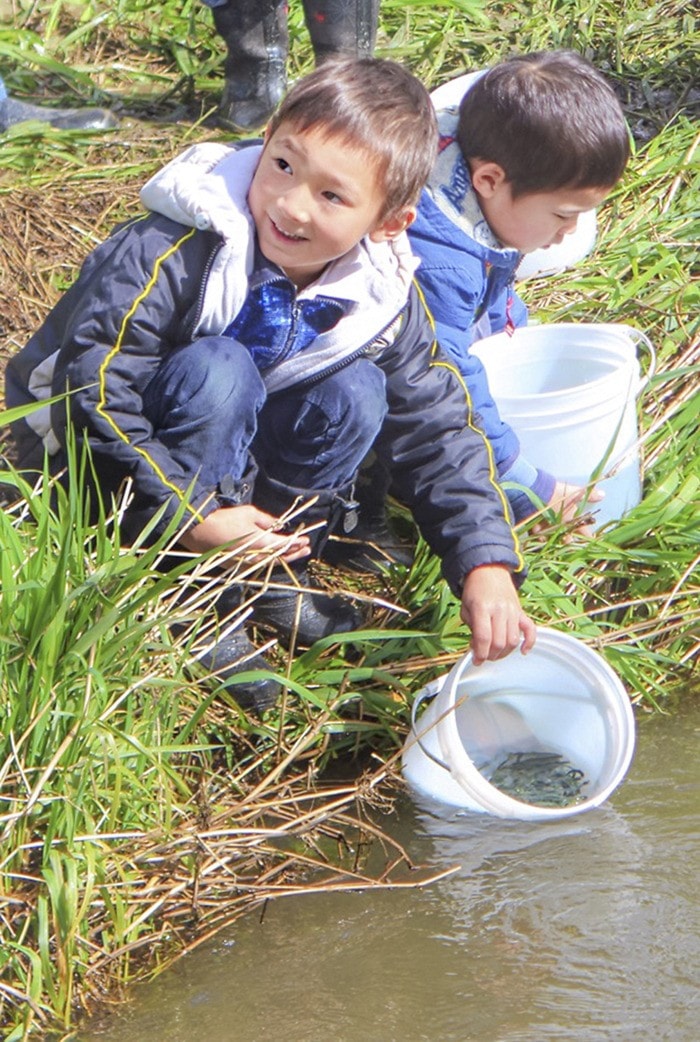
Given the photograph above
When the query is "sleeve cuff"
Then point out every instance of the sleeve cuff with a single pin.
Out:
(535, 486)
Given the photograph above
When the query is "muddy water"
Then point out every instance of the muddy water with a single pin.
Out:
(576, 931)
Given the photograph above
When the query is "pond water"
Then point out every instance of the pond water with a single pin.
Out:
(584, 929)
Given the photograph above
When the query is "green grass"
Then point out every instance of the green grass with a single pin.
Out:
(140, 810)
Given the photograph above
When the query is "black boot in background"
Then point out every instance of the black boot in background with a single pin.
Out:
(257, 39)
(339, 27)
(295, 613)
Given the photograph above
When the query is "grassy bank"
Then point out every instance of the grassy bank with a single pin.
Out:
(139, 813)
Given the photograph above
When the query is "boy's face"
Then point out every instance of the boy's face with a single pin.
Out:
(535, 220)
(312, 199)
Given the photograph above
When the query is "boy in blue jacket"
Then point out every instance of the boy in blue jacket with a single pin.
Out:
(538, 140)
(240, 347)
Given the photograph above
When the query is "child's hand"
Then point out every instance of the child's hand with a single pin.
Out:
(566, 499)
(491, 608)
(250, 527)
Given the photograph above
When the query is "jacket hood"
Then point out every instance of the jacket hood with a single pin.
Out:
(450, 187)
(207, 188)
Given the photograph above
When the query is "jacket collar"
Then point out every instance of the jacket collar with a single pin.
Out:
(450, 187)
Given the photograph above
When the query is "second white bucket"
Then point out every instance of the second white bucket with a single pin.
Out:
(569, 391)
(561, 698)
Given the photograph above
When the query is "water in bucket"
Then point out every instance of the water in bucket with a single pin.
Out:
(569, 391)
(561, 700)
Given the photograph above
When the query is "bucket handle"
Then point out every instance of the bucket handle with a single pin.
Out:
(640, 338)
(428, 692)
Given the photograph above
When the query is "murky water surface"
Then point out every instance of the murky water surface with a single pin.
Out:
(583, 930)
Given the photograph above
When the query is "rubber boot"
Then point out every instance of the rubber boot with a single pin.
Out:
(296, 614)
(236, 654)
(257, 40)
(13, 111)
(347, 27)
(373, 545)
(233, 654)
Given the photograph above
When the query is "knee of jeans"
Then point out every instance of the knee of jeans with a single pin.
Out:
(360, 390)
(214, 371)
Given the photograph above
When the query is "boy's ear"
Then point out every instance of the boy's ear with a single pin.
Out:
(392, 226)
(487, 177)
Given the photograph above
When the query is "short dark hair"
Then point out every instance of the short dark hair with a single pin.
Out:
(549, 119)
(380, 108)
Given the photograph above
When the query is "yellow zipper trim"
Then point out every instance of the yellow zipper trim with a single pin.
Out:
(493, 472)
(102, 402)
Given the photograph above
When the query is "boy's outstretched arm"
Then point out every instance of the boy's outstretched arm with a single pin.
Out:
(442, 469)
(492, 610)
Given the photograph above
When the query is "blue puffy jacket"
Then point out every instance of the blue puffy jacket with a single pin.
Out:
(468, 281)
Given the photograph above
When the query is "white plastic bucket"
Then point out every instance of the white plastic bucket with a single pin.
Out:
(569, 391)
(561, 698)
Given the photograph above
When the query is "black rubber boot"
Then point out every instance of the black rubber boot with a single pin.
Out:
(13, 111)
(295, 613)
(373, 545)
(347, 27)
(236, 654)
(257, 40)
(300, 616)
(233, 654)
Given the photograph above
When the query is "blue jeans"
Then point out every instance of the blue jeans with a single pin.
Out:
(208, 405)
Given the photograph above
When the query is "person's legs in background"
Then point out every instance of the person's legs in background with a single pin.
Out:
(257, 41)
(342, 27)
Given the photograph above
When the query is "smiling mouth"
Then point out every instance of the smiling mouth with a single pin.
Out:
(287, 236)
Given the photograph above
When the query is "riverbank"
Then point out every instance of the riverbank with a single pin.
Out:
(139, 817)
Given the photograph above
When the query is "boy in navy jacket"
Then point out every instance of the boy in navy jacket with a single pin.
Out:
(240, 347)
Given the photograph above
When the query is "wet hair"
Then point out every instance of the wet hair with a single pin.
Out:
(377, 107)
(549, 119)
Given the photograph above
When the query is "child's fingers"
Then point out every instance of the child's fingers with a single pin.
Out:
(296, 554)
(266, 542)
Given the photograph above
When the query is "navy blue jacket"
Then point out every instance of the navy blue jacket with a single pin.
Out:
(140, 295)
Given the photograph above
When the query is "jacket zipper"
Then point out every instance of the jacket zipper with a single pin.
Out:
(199, 305)
(296, 311)
(335, 368)
(343, 362)
(289, 344)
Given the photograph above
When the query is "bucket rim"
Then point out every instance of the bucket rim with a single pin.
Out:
(620, 330)
(626, 336)
(606, 387)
